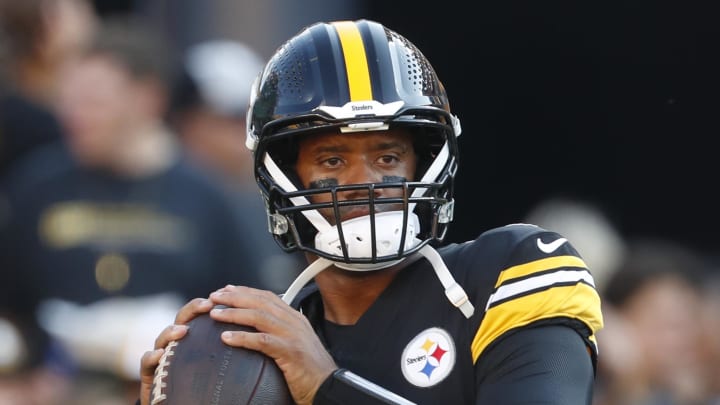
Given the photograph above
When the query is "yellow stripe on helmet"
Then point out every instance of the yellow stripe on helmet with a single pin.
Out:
(356, 65)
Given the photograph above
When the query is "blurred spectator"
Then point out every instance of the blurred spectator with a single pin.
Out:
(114, 228)
(710, 315)
(653, 348)
(210, 98)
(37, 38)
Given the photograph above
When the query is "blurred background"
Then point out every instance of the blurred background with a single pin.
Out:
(593, 119)
(614, 103)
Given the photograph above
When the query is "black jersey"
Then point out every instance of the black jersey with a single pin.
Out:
(83, 235)
(415, 343)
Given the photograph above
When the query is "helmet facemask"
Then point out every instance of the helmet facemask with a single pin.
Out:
(396, 226)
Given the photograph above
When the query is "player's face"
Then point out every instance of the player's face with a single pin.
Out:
(101, 106)
(331, 159)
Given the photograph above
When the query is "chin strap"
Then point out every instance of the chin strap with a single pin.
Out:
(453, 290)
(308, 274)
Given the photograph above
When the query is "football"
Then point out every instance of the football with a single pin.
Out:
(201, 369)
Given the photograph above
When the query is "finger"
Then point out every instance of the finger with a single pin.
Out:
(246, 297)
(263, 342)
(192, 309)
(148, 363)
(228, 287)
(170, 333)
(238, 316)
(272, 334)
(265, 316)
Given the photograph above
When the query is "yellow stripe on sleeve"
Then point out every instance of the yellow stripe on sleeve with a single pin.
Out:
(539, 265)
(579, 301)
(355, 61)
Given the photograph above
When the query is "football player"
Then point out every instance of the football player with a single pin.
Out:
(355, 150)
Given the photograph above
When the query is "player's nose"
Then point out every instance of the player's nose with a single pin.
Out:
(363, 173)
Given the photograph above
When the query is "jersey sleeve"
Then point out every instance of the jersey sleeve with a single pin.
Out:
(547, 364)
(543, 281)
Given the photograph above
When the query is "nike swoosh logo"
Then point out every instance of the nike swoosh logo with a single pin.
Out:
(550, 247)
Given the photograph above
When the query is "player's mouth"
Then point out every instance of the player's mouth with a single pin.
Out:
(348, 213)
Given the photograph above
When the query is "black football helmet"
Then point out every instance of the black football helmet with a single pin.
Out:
(353, 76)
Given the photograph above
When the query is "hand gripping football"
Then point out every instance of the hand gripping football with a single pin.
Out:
(200, 369)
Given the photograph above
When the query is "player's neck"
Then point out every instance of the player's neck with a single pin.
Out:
(347, 295)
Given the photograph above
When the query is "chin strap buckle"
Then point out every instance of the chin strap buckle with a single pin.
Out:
(459, 298)
(453, 290)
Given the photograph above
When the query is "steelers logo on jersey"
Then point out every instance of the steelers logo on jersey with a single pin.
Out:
(428, 358)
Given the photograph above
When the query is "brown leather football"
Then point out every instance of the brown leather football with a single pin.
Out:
(200, 369)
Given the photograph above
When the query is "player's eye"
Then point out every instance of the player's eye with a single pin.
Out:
(332, 162)
(388, 159)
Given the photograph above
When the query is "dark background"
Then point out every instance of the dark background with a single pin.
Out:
(616, 103)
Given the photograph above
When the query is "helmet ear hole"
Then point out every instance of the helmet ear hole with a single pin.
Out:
(285, 154)
(423, 155)
(427, 142)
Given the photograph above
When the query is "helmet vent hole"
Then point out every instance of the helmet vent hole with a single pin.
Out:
(419, 73)
(291, 71)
